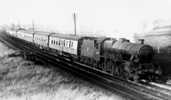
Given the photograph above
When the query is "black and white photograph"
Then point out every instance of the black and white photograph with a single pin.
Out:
(85, 50)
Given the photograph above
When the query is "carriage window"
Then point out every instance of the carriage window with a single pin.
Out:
(57, 42)
(67, 43)
(71, 44)
(64, 43)
(60, 43)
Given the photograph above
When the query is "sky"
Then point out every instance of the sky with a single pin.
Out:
(108, 17)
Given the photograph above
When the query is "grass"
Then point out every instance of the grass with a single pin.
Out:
(24, 80)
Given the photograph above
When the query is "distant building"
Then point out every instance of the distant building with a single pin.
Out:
(159, 38)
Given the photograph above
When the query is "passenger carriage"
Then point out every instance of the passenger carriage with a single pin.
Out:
(25, 35)
(64, 44)
(41, 39)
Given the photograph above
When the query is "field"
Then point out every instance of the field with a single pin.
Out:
(25, 80)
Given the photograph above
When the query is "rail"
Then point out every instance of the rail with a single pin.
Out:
(129, 89)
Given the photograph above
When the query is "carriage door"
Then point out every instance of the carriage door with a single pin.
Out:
(96, 50)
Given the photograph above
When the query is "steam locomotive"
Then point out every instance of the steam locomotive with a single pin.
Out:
(119, 58)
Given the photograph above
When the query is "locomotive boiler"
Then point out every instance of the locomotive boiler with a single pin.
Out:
(134, 52)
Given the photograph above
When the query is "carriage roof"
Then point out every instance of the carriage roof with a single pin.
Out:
(42, 33)
(66, 36)
(26, 31)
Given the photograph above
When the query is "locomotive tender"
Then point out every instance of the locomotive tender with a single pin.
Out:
(119, 58)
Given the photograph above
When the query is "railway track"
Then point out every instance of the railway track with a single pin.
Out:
(131, 90)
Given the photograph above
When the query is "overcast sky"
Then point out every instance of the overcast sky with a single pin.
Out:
(108, 16)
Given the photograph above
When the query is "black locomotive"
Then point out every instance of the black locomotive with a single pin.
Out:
(120, 58)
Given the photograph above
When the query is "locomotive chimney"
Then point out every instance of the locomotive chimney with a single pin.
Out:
(141, 41)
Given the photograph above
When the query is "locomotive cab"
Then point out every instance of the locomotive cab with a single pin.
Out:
(89, 50)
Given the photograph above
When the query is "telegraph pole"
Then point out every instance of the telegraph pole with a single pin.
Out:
(33, 26)
(75, 26)
(18, 26)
